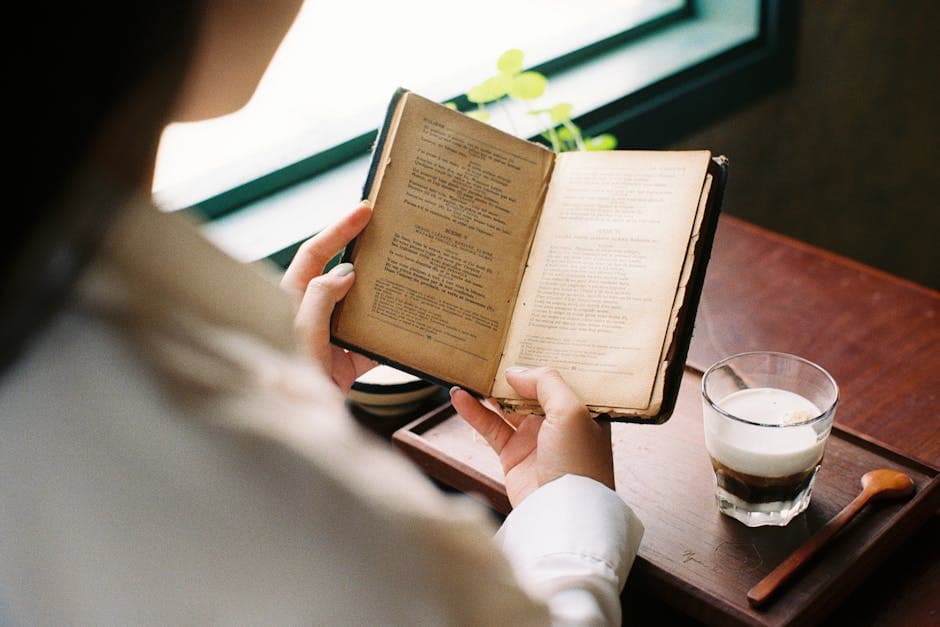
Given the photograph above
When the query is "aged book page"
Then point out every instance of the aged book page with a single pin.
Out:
(442, 290)
(686, 276)
(598, 295)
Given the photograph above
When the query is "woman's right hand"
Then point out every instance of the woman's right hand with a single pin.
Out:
(535, 450)
(317, 294)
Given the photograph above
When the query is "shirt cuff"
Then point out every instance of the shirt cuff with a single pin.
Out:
(571, 533)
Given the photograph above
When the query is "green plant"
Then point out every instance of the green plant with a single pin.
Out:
(511, 82)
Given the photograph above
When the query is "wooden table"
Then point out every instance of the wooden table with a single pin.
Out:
(880, 338)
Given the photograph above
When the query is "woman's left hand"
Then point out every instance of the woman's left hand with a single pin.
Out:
(319, 293)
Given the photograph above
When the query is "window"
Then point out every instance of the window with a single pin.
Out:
(296, 156)
(328, 84)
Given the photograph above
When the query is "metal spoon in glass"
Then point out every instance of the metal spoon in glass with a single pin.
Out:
(876, 485)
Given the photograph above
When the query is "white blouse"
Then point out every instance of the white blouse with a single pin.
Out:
(168, 457)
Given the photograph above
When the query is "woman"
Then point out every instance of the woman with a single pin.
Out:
(175, 446)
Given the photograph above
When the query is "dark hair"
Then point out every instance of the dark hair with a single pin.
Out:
(72, 66)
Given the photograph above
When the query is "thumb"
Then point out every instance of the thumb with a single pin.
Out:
(316, 307)
(546, 385)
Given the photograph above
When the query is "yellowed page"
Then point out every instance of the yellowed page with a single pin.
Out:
(597, 298)
(657, 395)
(439, 265)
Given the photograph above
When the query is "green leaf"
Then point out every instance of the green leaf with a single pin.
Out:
(510, 62)
(561, 112)
(606, 141)
(479, 114)
(528, 86)
(565, 134)
(489, 90)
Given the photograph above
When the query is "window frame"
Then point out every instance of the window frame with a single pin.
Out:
(648, 118)
(232, 199)
(680, 104)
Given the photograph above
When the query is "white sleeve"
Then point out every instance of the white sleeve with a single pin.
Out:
(572, 543)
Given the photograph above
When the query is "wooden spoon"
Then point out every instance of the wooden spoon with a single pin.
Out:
(876, 485)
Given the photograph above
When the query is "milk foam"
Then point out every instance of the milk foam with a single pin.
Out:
(764, 451)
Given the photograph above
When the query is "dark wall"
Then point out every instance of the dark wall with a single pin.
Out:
(846, 155)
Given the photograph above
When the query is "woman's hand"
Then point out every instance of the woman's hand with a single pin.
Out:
(319, 293)
(534, 450)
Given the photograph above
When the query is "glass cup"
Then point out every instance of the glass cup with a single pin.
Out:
(767, 418)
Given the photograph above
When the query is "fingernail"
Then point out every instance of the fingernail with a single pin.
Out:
(365, 202)
(341, 269)
(516, 369)
(454, 389)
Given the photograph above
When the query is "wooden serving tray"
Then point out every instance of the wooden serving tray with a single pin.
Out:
(695, 559)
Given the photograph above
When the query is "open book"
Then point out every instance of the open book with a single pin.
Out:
(487, 251)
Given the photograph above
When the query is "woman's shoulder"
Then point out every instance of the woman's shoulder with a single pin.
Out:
(151, 495)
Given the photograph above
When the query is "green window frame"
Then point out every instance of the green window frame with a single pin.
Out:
(704, 59)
